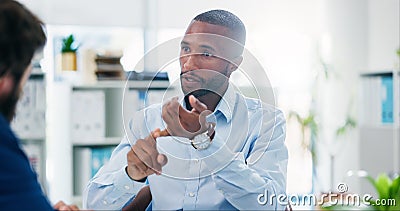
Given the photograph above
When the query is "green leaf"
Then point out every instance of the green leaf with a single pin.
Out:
(371, 180)
(349, 124)
(395, 193)
(67, 44)
(394, 190)
(383, 183)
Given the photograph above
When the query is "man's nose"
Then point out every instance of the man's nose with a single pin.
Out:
(189, 63)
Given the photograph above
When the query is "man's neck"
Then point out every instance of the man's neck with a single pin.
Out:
(211, 99)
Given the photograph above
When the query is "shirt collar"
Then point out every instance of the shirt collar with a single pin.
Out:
(227, 103)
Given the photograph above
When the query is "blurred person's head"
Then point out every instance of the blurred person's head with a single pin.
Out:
(21, 35)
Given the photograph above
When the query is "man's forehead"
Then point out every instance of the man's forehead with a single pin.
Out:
(218, 37)
(208, 40)
(198, 27)
(200, 39)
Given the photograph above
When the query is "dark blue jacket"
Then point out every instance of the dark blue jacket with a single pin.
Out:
(19, 188)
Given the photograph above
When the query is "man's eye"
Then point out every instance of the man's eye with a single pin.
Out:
(185, 49)
(207, 54)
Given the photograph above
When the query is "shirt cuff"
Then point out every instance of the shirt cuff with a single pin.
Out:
(124, 183)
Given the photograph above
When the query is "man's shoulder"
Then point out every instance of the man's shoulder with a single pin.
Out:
(260, 105)
(150, 111)
(259, 109)
(6, 134)
(151, 108)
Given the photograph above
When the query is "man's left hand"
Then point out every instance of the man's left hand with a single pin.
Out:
(62, 206)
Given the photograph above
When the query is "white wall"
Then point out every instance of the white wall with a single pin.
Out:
(364, 37)
(89, 12)
(345, 24)
(383, 17)
(286, 13)
(384, 34)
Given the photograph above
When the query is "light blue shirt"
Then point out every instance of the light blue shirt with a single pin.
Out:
(246, 158)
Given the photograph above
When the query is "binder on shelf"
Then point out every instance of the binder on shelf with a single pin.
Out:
(87, 162)
(30, 119)
(88, 114)
(100, 156)
(82, 170)
(377, 99)
(387, 99)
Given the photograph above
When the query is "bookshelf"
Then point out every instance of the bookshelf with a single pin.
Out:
(379, 124)
(86, 122)
(30, 124)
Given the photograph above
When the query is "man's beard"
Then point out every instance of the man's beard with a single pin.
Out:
(214, 85)
(197, 93)
(9, 105)
(200, 92)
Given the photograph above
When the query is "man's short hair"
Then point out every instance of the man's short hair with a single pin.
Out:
(21, 34)
(226, 19)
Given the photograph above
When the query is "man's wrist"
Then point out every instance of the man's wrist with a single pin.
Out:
(165, 132)
(136, 180)
(212, 135)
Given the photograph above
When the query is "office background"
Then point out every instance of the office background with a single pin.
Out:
(325, 60)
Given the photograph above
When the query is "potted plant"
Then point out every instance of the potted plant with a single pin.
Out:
(388, 191)
(68, 53)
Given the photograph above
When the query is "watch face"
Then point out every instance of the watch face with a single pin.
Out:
(201, 141)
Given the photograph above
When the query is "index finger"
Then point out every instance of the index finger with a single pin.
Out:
(161, 133)
(197, 105)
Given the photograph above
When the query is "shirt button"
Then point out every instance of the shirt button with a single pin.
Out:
(104, 202)
(126, 187)
(196, 160)
(192, 194)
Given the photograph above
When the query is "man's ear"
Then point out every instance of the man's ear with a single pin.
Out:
(234, 64)
(6, 85)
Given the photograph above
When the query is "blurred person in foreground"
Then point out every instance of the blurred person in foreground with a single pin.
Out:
(21, 35)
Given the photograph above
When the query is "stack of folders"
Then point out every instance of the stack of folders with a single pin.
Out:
(109, 68)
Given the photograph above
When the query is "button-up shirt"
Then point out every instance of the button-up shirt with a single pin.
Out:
(246, 162)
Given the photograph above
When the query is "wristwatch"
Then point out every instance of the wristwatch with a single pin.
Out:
(201, 141)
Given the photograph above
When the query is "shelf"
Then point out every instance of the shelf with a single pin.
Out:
(60, 107)
(36, 76)
(121, 84)
(382, 127)
(386, 72)
(33, 138)
(97, 142)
